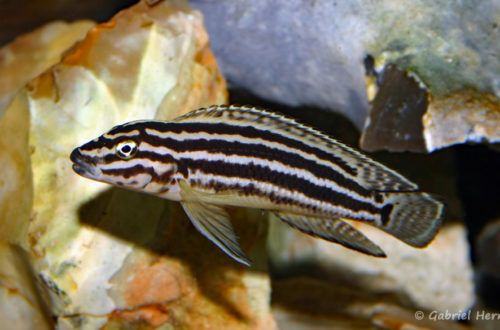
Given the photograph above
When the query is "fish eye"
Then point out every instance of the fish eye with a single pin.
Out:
(126, 149)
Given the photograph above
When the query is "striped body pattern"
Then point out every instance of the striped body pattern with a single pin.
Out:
(248, 157)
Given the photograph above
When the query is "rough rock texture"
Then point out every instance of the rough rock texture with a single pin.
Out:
(21, 304)
(31, 54)
(438, 277)
(311, 52)
(16, 186)
(404, 116)
(21, 61)
(113, 258)
(21, 18)
(277, 51)
(463, 117)
(395, 119)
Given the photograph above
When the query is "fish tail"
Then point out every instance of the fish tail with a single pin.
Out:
(412, 217)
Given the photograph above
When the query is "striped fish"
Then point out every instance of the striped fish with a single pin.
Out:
(248, 157)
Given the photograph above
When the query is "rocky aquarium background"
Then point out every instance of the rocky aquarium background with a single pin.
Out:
(414, 83)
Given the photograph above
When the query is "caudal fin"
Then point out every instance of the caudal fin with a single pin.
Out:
(413, 217)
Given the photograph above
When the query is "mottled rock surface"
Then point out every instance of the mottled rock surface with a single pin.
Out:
(16, 186)
(31, 54)
(405, 116)
(311, 53)
(19, 18)
(22, 303)
(465, 117)
(21, 61)
(395, 119)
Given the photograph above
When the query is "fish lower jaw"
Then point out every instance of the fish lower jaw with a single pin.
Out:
(86, 171)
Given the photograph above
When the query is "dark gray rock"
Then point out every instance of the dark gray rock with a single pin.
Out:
(310, 52)
(294, 52)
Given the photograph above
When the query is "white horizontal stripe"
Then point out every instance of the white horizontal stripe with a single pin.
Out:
(268, 188)
(158, 166)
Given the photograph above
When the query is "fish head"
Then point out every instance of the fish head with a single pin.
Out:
(125, 157)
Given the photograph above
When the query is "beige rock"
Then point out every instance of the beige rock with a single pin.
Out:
(22, 304)
(16, 187)
(438, 277)
(21, 61)
(460, 118)
(114, 258)
(31, 54)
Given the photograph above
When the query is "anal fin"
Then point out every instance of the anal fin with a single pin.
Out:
(333, 230)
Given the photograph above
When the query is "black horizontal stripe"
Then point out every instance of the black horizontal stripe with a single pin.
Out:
(102, 142)
(128, 172)
(282, 180)
(252, 133)
(222, 128)
(260, 151)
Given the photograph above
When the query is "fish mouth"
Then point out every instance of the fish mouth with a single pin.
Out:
(83, 165)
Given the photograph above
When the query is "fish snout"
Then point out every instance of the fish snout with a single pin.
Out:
(84, 165)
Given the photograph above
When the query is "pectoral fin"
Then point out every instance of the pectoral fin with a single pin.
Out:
(333, 230)
(213, 222)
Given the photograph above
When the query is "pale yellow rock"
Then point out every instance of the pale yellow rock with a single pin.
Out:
(122, 70)
(20, 61)
(115, 258)
(16, 188)
(31, 54)
(22, 306)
